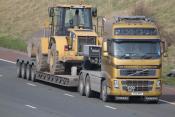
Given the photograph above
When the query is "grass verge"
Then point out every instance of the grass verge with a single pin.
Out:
(168, 65)
(12, 43)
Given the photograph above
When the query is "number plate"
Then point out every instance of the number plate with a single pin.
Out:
(137, 93)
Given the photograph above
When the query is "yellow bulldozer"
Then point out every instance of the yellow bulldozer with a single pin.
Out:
(70, 28)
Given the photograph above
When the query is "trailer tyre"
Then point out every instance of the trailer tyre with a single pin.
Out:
(18, 69)
(28, 72)
(23, 70)
(88, 91)
(104, 96)
(81, 86)
(33, 74)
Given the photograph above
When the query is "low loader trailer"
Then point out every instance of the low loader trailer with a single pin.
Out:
(27, 69)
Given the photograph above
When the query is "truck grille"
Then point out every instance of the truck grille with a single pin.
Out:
(130, 85)
(137, 72)
(84, 40)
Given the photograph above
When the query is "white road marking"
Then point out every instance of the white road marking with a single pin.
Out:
(31, 84)
(8, 61)
(1, 75)
(110, 107)
(31, 106)
(68, 95)
(167, 102)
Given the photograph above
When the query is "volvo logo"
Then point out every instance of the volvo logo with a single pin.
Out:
(130, 88)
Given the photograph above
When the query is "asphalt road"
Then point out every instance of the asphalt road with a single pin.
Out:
(22, 98)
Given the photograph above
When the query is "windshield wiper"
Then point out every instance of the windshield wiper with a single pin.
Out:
(126, 56)
(149, 55)
(146, 57)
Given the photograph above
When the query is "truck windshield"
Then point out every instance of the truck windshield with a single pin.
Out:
(78, 17)
(136, 31)
(136, 50)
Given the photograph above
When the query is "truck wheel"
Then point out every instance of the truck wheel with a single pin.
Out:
(18, 70)
(41, 61)
(153, 101)
(28, 72)
(54, 64)
(88, 91)
(23, 70)
(104, 96)
(81, 85)
(33, 75)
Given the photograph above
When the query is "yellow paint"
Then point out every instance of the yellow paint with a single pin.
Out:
(60, 44)
(44, 45)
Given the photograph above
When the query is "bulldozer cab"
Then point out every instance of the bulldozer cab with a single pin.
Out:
(70, 16)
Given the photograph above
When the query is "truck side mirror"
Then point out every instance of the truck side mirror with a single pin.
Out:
(164, 49)
(94, 12)
(51, 11)
(165, 54)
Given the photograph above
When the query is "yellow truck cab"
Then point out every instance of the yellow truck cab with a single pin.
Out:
(133, 63)
(130, 65)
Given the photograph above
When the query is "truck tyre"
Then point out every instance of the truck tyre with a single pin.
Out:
(33, 75)
(18, 69)
(28, 72)
(23, 70)
(104, 96)
(41, 61)
(88, 91)
(81, 85)
(54, 64)
(153, 101)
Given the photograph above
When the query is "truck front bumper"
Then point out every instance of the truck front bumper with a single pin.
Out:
(135, 87)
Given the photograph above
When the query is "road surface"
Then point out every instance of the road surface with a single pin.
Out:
(22, 98)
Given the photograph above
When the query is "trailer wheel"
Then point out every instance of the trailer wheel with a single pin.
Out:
(88, 91)
(104, 96)
(23, 70)
(18, 70)
(153, 101)
(28, 72)
(81, 85)
(33, 75)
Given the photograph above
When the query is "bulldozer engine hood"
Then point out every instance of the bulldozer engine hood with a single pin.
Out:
(83, 32)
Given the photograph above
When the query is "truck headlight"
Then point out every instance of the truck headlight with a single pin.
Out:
(158, 83)
(116, 83)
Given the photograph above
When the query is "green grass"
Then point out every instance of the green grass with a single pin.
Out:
(168, 65)
(12, 43)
